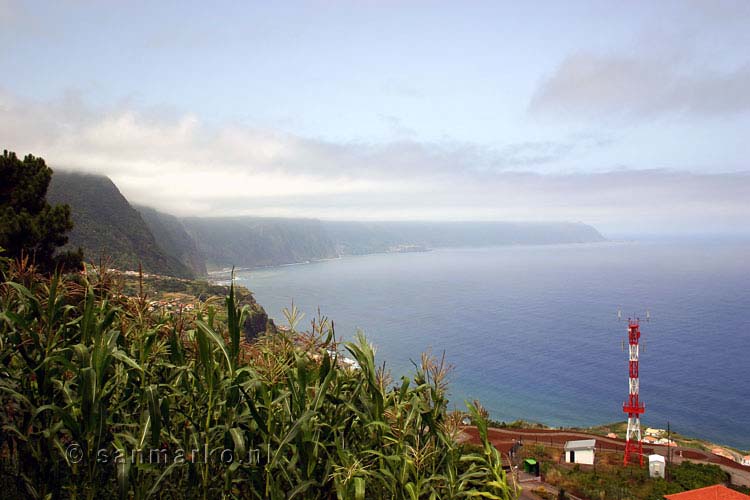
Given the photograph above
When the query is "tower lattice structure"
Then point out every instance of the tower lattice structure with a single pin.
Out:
(633, 407)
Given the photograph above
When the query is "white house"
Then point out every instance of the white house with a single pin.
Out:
(666, 442)
(656, 466)
(745, 460)
(580, 452)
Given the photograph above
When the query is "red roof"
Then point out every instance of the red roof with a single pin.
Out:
(716, 492)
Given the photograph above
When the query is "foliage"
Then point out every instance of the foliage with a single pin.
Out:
(86, 369)
(106, 226)
(544, 493)
(29, 225)
(611, 480)
(172, 235)
(258, 241)
(518, 424)
(691, 476)
(165, 287)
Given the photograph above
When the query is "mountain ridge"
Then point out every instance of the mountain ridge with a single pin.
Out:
(108, 225)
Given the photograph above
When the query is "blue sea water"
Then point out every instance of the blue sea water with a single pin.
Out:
(532, 331)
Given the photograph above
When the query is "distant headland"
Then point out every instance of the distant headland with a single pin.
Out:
(107, 224)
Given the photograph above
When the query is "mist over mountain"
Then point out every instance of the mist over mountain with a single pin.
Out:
(370, 237)
(107, 225)
(174, 238)
(254, 241)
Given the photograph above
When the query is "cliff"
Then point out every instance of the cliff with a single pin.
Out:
(107, 226)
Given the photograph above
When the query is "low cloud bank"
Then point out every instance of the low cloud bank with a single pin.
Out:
(180, 165)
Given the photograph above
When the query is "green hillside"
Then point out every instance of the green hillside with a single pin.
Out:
(254, 241)
(172, 236)
(107, 226)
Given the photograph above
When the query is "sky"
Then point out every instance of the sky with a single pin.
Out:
(631, 116)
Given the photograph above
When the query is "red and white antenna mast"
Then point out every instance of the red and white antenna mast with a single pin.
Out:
(633, 407)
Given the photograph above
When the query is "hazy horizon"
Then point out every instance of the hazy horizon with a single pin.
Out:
(629, 117)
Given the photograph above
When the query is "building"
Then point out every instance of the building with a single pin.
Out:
(745, 460)
(650, 431)
(665, 442)
(656, 466)
(580, 452)
(716, 492)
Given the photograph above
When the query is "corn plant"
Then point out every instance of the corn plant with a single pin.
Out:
(85, 369)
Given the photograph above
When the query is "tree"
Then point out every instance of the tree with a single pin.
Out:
(29, 225)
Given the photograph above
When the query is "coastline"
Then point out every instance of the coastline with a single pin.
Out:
(220, 276)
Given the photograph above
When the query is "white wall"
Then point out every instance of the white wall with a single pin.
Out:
(581, 457)
(656, 469)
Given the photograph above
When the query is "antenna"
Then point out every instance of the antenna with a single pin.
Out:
(633, 406)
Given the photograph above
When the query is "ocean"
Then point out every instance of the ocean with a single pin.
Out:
(532, 331)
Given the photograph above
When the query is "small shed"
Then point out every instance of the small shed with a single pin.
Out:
(656, 466)
(580, 452)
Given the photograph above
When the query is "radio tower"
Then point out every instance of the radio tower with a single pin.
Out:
(633, 407)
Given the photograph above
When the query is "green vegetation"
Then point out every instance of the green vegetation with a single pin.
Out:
(90, 376)
(259, 241)
(107, 227)
(29, 226)
(609, 479)
(517, 424)
(178, 294)
(157, 286)
(614, 481)
(171, 235)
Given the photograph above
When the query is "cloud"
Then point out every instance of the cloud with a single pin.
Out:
(8, 11)
(720, 12)
(72, 134)
(684, 59)
(614, 201)
(400, 88)
(396, 126)
(626, 86)
(179, 164)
